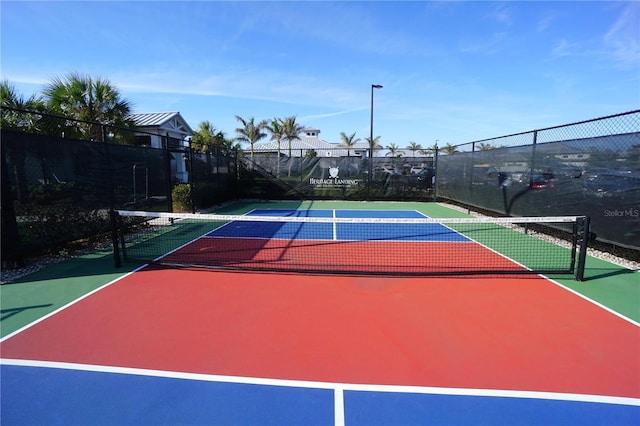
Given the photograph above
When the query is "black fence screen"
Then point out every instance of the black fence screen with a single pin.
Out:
(213, 179)
(590, 168)
(57, 191)
(332, 174)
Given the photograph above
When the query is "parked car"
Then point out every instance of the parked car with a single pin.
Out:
(542, 180)
(613, 184)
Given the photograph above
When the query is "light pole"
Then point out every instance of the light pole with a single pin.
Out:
(373, 86)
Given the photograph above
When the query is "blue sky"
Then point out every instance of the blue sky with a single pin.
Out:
(452, 71)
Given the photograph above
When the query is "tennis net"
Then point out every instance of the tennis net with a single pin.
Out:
(300, 241)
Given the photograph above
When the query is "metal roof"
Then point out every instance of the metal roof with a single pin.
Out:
(305, 143)
(160, 119)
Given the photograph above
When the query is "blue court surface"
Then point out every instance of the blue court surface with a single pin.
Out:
(85, 395)
(339, 231)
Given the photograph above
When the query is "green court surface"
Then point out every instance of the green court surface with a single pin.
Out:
(37, 295)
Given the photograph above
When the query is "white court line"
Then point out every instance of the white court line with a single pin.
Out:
(588, 299)
(73, 302)
(338, 388)
(338, 404)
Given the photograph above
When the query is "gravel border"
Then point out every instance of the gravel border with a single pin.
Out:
(10, 274)
(598, 254)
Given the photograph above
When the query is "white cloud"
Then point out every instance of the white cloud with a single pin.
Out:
(545, 22)
(502, 14)
(623, 38)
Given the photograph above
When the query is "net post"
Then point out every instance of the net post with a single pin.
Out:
(114, 238)
(575, 232)
(584, 241)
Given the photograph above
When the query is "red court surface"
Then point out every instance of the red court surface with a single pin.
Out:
(520, 334)
(348, 256)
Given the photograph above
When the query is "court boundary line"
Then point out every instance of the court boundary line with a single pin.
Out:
(592, 301)
(335, 386)
(338, 406)
(504, 256)
(73, 302)
(335, 226)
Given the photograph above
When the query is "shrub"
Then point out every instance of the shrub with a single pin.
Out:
(181, 196)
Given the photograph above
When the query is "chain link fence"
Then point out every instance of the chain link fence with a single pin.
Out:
(57, 190)
(333, 174)
(587, 168)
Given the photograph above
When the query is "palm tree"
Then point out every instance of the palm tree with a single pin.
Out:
(230, 146)
(275, 127)
(250, 132)
(94, 102)
(12, 119)
(394, 150)
(485, 147)
(430, 150)
(349, 141)
(413, 146)
(207, 138)
(375, 145)
(450, 149)
(291, 130)
(19, 120)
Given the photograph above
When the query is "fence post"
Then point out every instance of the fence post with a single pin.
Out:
(532, 167)
(113, 215)
(11, 245)
(167, 155)
(472, 195)
(191, 181)
(434, 183)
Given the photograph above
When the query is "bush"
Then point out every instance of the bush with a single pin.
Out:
(181, 195)
(47, 230)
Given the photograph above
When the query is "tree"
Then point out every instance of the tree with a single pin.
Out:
(291, 130)
(207, 138)
(484, 147)
(394, 150)
(230, 146)
(413, 146)
(450, 149)
(275, 127)
(250, 132)
(94, 102)
(19, 120)
(375, 145)
(349, 141)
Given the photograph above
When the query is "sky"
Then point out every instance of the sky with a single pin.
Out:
(452, 71)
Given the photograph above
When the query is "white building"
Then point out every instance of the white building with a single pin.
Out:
(165, 130)
(310, 141)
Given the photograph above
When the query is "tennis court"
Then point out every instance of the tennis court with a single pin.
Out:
(192, 345)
